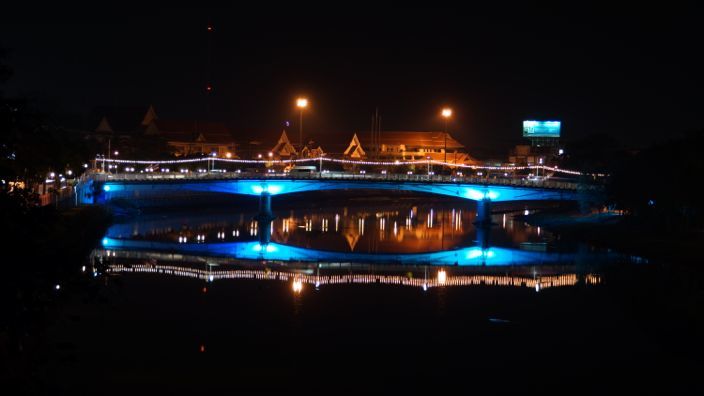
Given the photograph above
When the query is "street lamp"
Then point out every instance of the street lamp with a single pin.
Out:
(446, 114)
(301, 103)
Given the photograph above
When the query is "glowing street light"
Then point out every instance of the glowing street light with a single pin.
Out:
(301, 103)
(446, 114)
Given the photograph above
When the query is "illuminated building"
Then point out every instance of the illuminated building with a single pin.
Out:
(407, 145)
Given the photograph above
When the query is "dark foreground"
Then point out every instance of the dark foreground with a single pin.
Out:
(640, 329)
(637, 332)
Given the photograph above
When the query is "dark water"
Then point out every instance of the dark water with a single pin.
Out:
(360, 298)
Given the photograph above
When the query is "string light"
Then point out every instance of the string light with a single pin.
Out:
(352, 162)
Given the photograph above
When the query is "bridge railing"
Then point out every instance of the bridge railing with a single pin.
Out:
(551, 183)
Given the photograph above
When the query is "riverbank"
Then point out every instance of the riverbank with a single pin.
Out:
(43, 256)
(619, 232)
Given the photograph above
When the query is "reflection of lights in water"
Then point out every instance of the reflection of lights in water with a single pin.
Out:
(325, 225)
(337, 222)
(479, 252)
(395, 228)
(442, 277)
(538, 231)
(309, 225)
(535, 282)
(360, 224)
(297, 286)
(267, 248)
(504, 221)
(408, 223)
(271, 227)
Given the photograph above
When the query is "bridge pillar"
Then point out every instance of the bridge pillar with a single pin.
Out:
(265, 205)
(264, 230)
(264, 218)
(484, 208)
(483, 232)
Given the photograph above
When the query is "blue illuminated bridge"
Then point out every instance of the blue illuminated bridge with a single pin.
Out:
(102, 188)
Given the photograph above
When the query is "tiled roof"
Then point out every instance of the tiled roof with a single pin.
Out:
(191, 131)
(412, 139)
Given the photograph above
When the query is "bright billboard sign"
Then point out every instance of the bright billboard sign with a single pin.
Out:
(541, 129)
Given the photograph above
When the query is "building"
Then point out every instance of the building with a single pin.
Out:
(407, 145)
(192, 138)
(129, 127)
(527, 155)
(120, 124)
(544, 148)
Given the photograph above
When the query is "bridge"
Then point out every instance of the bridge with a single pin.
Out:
(101, 188)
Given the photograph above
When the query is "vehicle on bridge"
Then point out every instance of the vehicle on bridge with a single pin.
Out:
(297, 170)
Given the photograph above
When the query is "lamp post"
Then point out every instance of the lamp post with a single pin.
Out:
(301, 103)
(446, 114)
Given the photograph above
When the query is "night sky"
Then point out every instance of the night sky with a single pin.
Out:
(630, 73)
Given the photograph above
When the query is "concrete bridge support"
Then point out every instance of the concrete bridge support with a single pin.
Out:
(483, 233)
(264, 218)
(265, 205)
(484, 208)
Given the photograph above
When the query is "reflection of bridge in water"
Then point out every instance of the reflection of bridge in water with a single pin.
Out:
(469, 256)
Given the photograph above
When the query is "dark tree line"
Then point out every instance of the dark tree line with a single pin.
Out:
(657, 185)
(661, 184)
(32, 145)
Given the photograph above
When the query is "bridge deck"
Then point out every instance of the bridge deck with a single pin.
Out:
(551, 183)
(128, 185)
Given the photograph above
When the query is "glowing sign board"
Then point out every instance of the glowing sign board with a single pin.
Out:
(541, 129)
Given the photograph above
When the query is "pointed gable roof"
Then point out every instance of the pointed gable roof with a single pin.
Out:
(149, 116)
(191, 131)
(284, 147)
(104, 126)
(354, 149)
(119, 120)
